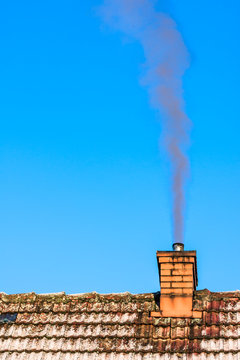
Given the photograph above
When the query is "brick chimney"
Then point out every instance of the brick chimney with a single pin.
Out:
(178, 281)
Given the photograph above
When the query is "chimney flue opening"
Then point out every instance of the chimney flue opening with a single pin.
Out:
(178, 247)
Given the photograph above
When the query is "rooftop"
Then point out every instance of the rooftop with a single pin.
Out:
(117, 326)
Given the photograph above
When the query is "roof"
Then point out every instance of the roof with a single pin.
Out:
(116, 326)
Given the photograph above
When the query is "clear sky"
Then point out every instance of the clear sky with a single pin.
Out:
(85, 200)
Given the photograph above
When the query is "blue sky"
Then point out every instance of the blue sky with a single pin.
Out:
(85, 200)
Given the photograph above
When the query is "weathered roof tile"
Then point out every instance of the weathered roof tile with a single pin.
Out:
(116, 326)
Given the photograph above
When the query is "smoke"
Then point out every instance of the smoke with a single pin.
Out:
(166, 61)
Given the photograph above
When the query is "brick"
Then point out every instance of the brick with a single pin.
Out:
(183, 266)
(182, 284)
(170, 291)
(165, 284)
(187, 266)
(182, 272)
(179, 266)
(187, 278)
(187, 291)
(165, 259)
(167, 266)
(165, 272)
(175, 291)
(171, 278)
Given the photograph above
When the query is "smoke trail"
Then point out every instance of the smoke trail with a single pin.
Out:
(166, 61)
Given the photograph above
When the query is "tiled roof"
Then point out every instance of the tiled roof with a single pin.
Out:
(116, 326)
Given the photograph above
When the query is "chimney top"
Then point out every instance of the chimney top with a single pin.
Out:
(178, 246)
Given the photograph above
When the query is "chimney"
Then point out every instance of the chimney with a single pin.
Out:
(178, 281)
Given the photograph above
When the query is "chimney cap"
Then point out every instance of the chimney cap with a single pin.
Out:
(177, 246)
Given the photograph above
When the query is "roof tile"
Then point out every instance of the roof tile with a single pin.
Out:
(117, 326)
